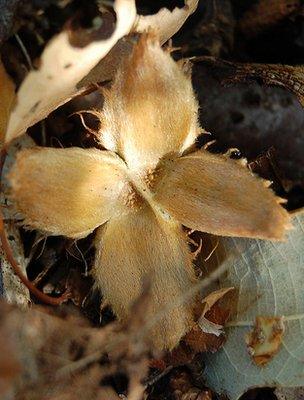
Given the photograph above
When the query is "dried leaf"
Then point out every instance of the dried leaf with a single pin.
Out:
(289, 77)
(208, 302)
(265, 340)
(201, 341)
(269, 279)
(7, 90)
(62, 67)
(209, 326)
(166, 23)
(213, 298)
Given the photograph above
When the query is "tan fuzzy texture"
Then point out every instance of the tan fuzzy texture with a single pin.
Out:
(215, 194)
(145, 192)
(61, 192)
(143, 245)
(150, 111)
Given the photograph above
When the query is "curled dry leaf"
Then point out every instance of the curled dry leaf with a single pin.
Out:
(265, 340)
(144, 186)
(269, 279)
(209, 301)
(7, 90)
(213, 298)
(206, 334)
(287, 76)
(208, 339)
(62, 67)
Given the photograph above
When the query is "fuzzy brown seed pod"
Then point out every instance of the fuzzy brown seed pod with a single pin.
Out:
(142, 189)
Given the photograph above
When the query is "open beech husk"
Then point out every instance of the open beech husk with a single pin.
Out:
(145, 192)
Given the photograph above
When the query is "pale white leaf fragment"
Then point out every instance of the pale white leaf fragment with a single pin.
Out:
(210, 327)
(62, 67)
